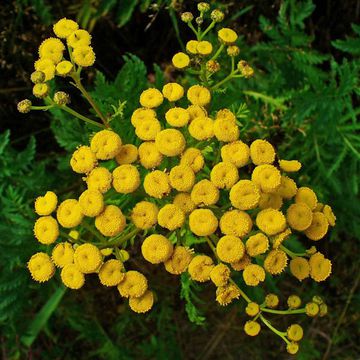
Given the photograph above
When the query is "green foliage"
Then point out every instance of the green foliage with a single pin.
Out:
(350, 45)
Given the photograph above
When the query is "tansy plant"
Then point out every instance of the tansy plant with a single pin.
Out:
(187, 191)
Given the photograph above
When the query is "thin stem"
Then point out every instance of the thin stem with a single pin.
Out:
(211, 245)
(218, 52)
(93, 232)
(45, 107)
(232, 64)
(207, 30)
(283, 312)
(119, 241)
(277, 332)
(191, 26)
(228, 78)
(241, 291)
(291, 253)
(81, 117)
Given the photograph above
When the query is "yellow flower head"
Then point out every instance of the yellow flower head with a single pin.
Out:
(200, 268)
(275, 262)
(156, 249)
(252, 309)
(271, 301)
(171, 217)
(203, 222)
(294, 302)
(134, 285)
(295, 332)
(230, 249)
(46, 66)
(79, 38)
(64, 68)
(177, 117)
(199, 95)
(111, 221)
(194, 158)
(184, 202)
(253, 274)
(191, 47)
(151, 98)
(144, 215)
(318, 228)
(142, 114)
(312, 309)
(233, 50)
(257, 244)
(182, 177)
(290, 165)
(220, 275)
(267, 177)
(205, 193)
(270, 200)
(271, 221)
(226, 294)
(180, 60)
(196, 111)
(143, 303)
(287, 188)
(226, 114)
(99, 179)
(242, 263)
(235, 222)
(64, 27)
(91, 203)
(87, 258)
(46, 230)
(157, 184)
(69, 213)
(126, 179)
(170, 142)
(41, 90)
(52, 48)
(204, 48)
(84, 56)
(319, 207)
(280, 238)
(330, 216)
(72, 277)
(202, 128)
(292, 348)
(83, 160)
(149, 155)
(320, 267)
(299, 216)
(262, 152)
(224, 175)
(252, 328)
(300, 268)
(227, 36)
(226, 130)
(307, 196)
(179, 260)
(173, 91)
(111, 272)
(62, 254)
(128, 154)
(41, 267)
(45, 205)
(244, 195)
(236, 152)
(106, 144)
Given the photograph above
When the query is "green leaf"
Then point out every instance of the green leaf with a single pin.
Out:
(125, 11)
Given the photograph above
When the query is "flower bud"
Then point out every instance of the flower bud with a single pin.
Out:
(199, 20)
(271, 301)
(312, 309)
(37, 77)
(41, 90)
(292, 348)
(24, 106)
(203, 7)
(61, 98)
(294, 302)
(187, 17)
(246, 70)
(124, 255)
(212, 66)
(323, 309)
(233, 50)
(317, 299)
(217, 15)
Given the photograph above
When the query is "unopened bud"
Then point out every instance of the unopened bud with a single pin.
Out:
(187, 17)
(217, 15)
(24, 106)
(37, 77)
(212, 66)
(61, 98)
(199, 20)
(41, 90)
(233, 50)
(203, 7)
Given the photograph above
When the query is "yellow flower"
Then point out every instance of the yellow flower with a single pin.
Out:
(69, 213)
(105, 144)
(64, 68)
(171, 217)
(270, 200)
(45, 205)
(191, 47)
(290, 165)
(100, 179)
(204, 48)
(292, 348)
(173, 91)
(177, 117)
(280, 238)
(134, 285)
(156, 249)
(41, 267)
(224, 175)
(179, 260)
(201, 128)
(143, 303)
(144, 215)
(149, 155)
(24, 106)
(235, 222)
(148, 129)
(226, 294)
(226, 114)
(271, 301)
(319, 207)
(275, 262)
(72, 277)
(64, 27)
(236, 152)
(83, 160)
(142, 114)
(318, 228)
(252, 328)
(294, 302)
(226, 130)
(300, 268)
(91, 203)
(62, 254)
(330, 216)
(84, 56)
(41, 90)
(128, 154)
(87, 258)
(252, 309)
(194, 158)
(220, 275)
(199, 95)
(111, 272)
(46, 230)
(230, 249)
(205, 193)
(78, 38)
(126, 179)
(267, 177)
(233, 50)
(196, 111)
(203, 222)
(295, 332)
(271, 221)
(244, 195)
(262, 152)
(180, 60)
(257, 244)
(182, 178)
(307, 196)
(151, 98)
(227, 36)
(299, 216)
(253, 274)
(184, 202)
(170, 142)
(111, 221)
(287, 188)
(52, 49)
(312, 309)
(242, 263)
(157, 184)
(200, 268)
(320, 267)
(47, 67)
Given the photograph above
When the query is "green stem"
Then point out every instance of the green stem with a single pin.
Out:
(93, 232)
(241, 292)
(46, 107)
(191, 26)
(283, 312)
(277, 332)
(79, 116)
(207, 30)
(119, 241)
(291, 253)
(218, 52)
